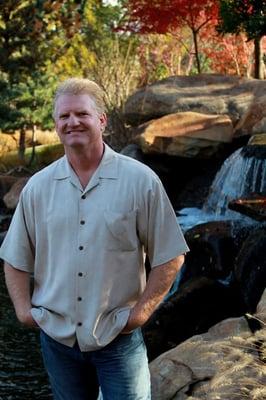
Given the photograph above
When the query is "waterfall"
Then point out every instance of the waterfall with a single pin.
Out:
(242, 174)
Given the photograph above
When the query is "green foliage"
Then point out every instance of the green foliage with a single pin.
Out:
(8, 111)
(247, 16)
(30, 34)
(24, 105)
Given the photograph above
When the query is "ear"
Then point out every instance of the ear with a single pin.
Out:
(103, 120)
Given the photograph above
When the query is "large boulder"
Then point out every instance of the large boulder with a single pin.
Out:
(206, 93)
(12, 196)
(186, 134)
(6, 181)
(224, 363)
(253, 120)
(250, 267)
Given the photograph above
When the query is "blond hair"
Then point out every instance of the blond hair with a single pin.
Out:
(77, 86)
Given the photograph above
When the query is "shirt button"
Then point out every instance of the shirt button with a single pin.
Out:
(82, 222)
(79, 323)
(83, 196)
(81, 247)
(80, 274)
(79, 298)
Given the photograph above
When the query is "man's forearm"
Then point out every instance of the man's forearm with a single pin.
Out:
(18, 285)
(159, 282)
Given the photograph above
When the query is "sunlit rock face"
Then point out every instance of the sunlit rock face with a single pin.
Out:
(185, 134)
(254, 119)
(205, 93)
(224, 363)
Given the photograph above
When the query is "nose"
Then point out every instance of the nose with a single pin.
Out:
(73, 120)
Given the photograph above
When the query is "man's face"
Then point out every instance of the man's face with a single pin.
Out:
(77, 122)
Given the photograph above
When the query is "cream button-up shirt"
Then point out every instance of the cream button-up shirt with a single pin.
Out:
(86, 248)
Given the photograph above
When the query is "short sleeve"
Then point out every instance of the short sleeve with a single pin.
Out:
(158, 228)
(17, 248)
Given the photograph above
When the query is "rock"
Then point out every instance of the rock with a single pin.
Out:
(134, 151)
(6, 181)
(261, 308)
(254, 207)
(213, 249)
(223, 363)
(4, 225)
(195, 307)
(257, 140)
(250, 267)
(254, 119)
(227, 328)
(2, 236)
(205, 93)
(11, 198)
(186, 134)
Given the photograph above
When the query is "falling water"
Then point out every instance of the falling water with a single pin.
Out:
(241, 175)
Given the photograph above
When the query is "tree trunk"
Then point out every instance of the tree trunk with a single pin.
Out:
(21, 149)
(32, 157)
(258, 72)
(195, 40)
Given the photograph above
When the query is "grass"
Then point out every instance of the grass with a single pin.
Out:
(44, 155)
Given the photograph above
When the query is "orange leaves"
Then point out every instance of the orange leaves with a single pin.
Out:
(162, 16)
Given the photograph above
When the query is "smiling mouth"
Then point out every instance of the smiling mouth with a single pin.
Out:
(73, 132)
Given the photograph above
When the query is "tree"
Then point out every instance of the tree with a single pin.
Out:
(27, 33)
(245, 16)
(234, 50)
(162, 16)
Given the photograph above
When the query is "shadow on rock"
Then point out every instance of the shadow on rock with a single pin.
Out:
(201, 303)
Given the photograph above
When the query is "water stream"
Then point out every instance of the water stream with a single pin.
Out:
(241, 175)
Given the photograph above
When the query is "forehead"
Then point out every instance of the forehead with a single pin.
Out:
(70, 102)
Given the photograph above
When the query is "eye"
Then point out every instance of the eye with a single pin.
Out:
(83, 114)
(63, 116)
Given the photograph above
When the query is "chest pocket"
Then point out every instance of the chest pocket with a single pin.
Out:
(122, 230)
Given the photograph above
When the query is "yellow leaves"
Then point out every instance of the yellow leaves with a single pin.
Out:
(76, 60)
(89, 15)
(2, 24)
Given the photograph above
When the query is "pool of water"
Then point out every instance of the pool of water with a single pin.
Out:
(22, 376)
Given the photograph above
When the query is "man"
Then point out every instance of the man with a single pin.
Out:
(82, 227)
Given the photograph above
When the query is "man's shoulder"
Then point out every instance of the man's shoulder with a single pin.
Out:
(45, 175)
(133, 167)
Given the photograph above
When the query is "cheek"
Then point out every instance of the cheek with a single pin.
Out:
(58, 127)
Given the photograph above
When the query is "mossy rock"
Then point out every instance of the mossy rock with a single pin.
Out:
(258, 140)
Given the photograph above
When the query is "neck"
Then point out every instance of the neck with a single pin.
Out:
(85, 161)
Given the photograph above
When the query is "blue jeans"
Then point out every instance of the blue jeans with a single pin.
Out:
(121, 368)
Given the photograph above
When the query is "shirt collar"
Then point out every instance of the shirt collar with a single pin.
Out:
(108, 167)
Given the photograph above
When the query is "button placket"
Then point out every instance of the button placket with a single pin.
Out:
(81, 244)
(81, 237)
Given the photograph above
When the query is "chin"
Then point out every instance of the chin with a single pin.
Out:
(75, 143)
